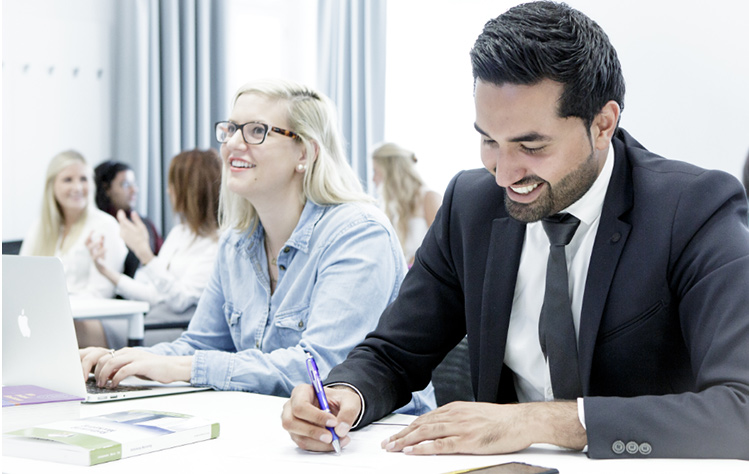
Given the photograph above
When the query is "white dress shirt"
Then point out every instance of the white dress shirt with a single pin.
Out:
(81, 276)
(178, 275)
(523, 351)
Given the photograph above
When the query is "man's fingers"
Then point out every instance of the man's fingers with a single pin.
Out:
(347, 407)
(411, 437)
(448, 445)
(306, 423)
(302, 416)
(310, 444)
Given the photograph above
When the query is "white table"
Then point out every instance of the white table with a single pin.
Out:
(252, 440)
(95, 308)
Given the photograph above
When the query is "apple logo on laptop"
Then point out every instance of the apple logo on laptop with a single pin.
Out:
(23, 324)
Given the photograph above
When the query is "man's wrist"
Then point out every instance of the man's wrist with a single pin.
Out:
(357, 392)
(556, 423)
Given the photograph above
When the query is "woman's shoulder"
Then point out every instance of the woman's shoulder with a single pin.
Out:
(183, 232)
(352, 218)
(99, 220)
(97, 216)
(232, 237)
(350, 213)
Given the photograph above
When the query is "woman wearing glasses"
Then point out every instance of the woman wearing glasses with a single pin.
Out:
(306, 263)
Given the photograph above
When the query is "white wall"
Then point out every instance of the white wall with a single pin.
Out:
(57, 95)
(686, 65)
(45, 112)
(271, 39)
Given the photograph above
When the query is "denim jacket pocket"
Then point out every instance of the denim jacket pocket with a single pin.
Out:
(233, 319)
(294, 319)
(289, 326)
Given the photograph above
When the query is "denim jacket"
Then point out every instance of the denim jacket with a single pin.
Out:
(339, 269)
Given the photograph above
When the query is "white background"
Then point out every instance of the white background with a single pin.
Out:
(686, 65)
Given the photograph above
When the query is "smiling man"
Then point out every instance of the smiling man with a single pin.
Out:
(630, 335)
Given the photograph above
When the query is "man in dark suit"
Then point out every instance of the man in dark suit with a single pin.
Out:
(657, 272)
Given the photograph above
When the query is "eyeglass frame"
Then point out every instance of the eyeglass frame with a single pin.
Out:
(268, 128)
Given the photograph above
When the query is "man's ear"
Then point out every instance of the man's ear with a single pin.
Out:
(604, 125)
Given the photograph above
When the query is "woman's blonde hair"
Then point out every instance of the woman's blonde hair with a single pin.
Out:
(52, 217)
(328, 179)
(401, 185)
(195, 179)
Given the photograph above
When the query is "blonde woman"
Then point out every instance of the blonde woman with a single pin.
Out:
(173, 281)
(68, 218)
(306, 261)
(407, 202)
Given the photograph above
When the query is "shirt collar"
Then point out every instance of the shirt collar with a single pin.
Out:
(300, 237)
(589, 207)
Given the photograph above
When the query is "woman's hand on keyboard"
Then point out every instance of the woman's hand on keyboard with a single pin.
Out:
(115, 366)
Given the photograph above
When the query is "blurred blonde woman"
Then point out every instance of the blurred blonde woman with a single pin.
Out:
(410, 206)
(68, 218)
(173, 281)
(306, 261)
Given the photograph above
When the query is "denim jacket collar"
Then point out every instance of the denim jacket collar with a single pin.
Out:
(300, 237)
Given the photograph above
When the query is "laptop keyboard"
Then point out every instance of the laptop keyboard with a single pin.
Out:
(91, 387)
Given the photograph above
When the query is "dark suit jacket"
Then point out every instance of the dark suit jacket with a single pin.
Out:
(664, 332)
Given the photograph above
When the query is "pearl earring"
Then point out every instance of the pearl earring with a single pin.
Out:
(301, 167)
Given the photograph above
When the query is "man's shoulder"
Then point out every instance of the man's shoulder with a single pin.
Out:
(474, 177)
(476, 190)
(660, 185)
(651, 169)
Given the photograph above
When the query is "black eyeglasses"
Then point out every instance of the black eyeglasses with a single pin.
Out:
(253, 133)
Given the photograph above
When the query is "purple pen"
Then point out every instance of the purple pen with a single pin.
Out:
(314, 377)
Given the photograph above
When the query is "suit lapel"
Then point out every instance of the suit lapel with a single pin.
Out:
(609, 242)
(500, 275)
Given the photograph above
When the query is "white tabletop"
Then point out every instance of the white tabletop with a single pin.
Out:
(252, 440)
(100, 307)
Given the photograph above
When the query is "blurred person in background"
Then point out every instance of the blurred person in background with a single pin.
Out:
(116, 189)
(173, 281)
(406, 200)
(68, 219)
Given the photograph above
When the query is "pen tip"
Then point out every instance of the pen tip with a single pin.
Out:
(337, 446)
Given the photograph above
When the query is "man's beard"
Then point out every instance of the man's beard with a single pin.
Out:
(552, 200)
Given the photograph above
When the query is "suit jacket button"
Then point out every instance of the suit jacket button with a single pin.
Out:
(632, 447)
(618, 446)
(646, 449)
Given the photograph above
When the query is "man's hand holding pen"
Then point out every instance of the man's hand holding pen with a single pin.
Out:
(308, 424)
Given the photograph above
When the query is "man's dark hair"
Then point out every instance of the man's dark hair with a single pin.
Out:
(104, 174)
(546, 40)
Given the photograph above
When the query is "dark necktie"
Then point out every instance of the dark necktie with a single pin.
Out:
(555, 327)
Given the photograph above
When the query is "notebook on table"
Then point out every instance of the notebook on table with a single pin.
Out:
(39, 342)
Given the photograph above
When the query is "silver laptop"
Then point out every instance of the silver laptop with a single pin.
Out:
(39, 342)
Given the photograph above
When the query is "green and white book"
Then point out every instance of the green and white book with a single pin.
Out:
(100, 439)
